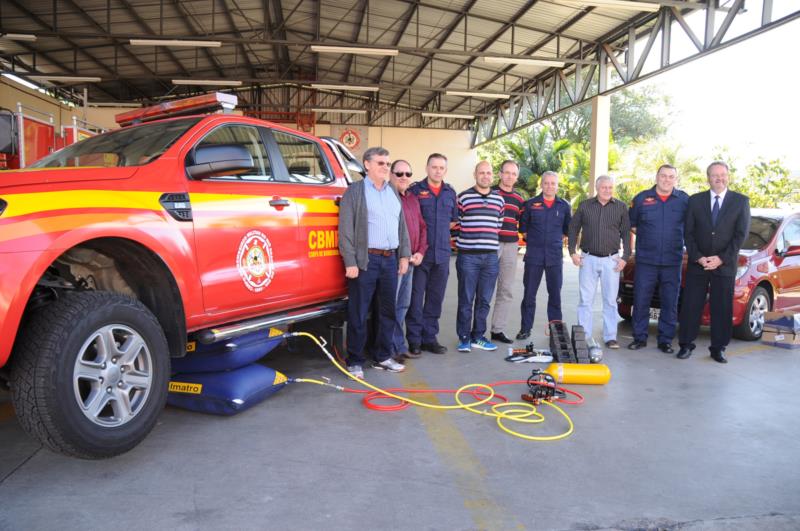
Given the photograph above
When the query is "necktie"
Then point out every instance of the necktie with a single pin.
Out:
(715, 211)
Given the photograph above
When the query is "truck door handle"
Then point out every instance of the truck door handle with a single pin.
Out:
(278, 202)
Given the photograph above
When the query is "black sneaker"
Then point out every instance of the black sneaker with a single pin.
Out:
(501, 337)
(414, 349)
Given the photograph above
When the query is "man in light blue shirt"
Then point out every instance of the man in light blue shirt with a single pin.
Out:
(374, 244)
(384, 209)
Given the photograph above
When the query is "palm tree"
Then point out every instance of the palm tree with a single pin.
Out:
(536, 152)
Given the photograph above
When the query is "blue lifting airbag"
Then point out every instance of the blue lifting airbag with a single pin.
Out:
(229, 355)
(224, 393)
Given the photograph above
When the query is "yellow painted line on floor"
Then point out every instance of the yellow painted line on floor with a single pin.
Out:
(747, 350)
(6, 411)
(458, 455)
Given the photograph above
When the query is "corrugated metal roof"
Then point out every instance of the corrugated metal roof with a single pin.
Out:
(267, 42)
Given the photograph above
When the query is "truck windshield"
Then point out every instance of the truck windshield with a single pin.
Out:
(132, 146)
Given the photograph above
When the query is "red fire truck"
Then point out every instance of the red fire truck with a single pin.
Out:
(119, 250)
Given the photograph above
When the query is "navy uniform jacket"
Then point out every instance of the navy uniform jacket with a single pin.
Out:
(659, 226)
(544, 230)
(438, 212)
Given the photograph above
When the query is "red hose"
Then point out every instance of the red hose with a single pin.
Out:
(371, 396)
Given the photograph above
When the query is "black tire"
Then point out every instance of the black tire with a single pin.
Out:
(60, 375)
(752, 325)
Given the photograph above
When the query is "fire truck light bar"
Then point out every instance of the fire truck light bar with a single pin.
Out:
(193, 105)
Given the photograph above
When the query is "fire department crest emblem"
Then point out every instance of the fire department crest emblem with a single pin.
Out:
(254, 261)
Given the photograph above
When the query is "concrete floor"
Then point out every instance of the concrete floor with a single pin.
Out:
(668, 444)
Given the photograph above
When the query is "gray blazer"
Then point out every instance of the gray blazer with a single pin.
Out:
(353, 223)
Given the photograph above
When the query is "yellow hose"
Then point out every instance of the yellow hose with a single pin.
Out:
(523, 412)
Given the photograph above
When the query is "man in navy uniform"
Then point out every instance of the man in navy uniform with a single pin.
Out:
(437, 201)
(543, 224)
(657, 217)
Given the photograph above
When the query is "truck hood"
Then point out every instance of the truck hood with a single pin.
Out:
(33, 176)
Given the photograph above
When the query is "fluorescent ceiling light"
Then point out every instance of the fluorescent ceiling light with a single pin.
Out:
(21, 81)
(175, 42)
(67, 79)
(488, 95)
(19, 37)
(354, 49)
(362, 88)
(524, 61)
(208, 82)
(616, 4)
(343, 111)
(447, 115)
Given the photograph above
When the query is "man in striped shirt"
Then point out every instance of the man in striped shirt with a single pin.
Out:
(602, 221)
(509, 248)
(480, 216)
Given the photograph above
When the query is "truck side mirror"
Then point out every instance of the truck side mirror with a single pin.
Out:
(219, 159)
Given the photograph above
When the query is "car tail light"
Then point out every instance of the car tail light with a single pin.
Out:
(742, 266)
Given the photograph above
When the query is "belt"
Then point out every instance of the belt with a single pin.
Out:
(600, 255)
(382, 252)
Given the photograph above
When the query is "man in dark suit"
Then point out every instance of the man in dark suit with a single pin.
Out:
(717, 223)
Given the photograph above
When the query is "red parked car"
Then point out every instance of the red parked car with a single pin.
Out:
(768, 276)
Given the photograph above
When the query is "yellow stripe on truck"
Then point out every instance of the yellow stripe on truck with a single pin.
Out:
(40, 202)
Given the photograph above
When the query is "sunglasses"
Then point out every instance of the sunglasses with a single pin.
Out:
(399, 174)
(380, 162)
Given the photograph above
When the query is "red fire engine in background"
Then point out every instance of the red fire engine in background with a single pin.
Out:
(28, 134)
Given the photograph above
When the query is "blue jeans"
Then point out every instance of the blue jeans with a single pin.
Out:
(593, 269)
(381, 277)
(403, 302)
(477, 276)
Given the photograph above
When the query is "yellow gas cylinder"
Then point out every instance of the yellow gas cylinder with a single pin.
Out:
(579, 373)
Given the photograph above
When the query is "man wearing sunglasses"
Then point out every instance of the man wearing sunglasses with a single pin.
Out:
(437, 201)
(373, 242)
(400, 177)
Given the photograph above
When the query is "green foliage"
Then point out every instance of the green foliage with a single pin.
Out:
(768, 185)
(636, 151)
(636, 115)
(637, 170)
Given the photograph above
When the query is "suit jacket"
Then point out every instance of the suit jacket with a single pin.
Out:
(723, 240)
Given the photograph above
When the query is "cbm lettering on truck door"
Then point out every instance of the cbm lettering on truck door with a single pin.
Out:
(316, 191)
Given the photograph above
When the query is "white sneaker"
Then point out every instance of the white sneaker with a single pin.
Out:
(356, 371)
(390, 365)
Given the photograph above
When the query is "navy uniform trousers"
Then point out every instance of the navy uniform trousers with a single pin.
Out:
(668, 279)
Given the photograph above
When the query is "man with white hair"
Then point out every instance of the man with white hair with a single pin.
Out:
(601, 222)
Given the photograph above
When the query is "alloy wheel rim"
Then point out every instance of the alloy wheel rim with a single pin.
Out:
(757, 310)
(113, 375)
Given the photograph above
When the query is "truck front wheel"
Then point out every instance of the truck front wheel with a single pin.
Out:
(89, 374)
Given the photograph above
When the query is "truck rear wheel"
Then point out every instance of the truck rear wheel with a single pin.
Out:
(89, 374)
